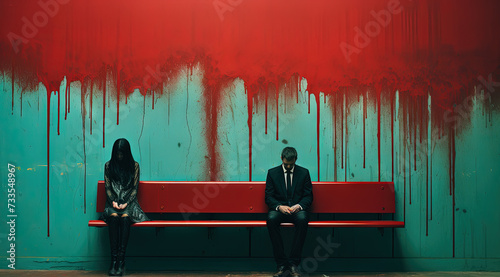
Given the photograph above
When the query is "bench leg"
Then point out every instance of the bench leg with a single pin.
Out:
(157, 230)
(249, 241)
(211, 231)
(381, 230)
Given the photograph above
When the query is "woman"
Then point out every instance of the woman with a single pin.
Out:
(121, 176)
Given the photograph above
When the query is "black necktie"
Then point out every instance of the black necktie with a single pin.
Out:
(289, 185)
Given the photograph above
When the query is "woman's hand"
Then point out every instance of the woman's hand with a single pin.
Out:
(122, 206)
(115, 205)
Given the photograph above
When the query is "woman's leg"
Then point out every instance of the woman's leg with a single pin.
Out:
(124, 234)
(113, 229)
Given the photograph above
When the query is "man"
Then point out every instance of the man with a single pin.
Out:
(289, 196)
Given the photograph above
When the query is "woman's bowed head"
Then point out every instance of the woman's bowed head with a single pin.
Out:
(121, 166)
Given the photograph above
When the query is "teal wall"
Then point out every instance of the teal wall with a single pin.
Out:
(169, 142)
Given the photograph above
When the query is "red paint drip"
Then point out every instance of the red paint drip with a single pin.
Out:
(365, 99)
(426, 184)
(409, 172)
(421, 112)
(317, 130)
(277, 110)
(267, 96)
(118, 94)
(415, 119)
(342, 134)
(335, 136)
(309, 102)
(300, 88)
(69, 99)
(58, 111)
(378, 132)
(450, 165)
(346, 107)
(66, 102)
(83, 115)
(49, 93)
(104, 85)
(12, 84)
(91, 100)
(410, 121)
(430, 154)
(404, 173)
(403, 102)
(22, 103)
(392, 136)
(452, 179)
(213, 83)
(249, 122)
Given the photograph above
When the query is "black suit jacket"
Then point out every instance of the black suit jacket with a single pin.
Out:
(276, 190)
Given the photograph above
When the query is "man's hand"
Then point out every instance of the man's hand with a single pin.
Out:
(295, 208)
(285, 209)
(115, 205)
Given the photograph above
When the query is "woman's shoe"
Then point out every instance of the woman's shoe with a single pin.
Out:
(120, 271)
(113, 266)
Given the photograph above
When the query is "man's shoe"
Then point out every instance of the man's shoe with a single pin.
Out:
(280, 272)
(294, 271)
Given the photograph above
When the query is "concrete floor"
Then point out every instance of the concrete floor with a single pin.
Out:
(76, 273)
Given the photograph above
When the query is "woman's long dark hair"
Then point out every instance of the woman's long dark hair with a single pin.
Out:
(124, 169)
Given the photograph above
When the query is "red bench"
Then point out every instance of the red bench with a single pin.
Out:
(187, 198)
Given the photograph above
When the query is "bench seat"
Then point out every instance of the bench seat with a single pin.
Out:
(257, 223)
(183, 197)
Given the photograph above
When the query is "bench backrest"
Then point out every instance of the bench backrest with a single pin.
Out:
(248, 197)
